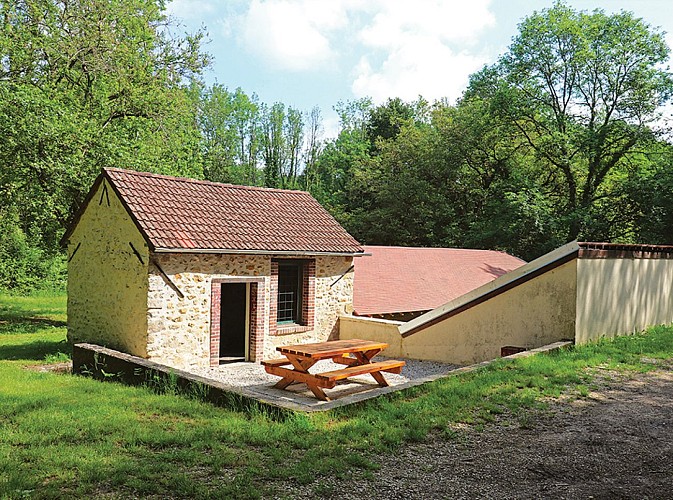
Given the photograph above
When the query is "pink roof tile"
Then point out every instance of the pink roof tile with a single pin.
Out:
(179, 213)
(409, 279)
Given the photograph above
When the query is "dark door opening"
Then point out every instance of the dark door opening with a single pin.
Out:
(232, 321)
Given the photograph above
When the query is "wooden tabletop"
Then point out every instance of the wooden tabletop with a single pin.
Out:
(331, 348)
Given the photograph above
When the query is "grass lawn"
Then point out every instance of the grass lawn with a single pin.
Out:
(65, 435)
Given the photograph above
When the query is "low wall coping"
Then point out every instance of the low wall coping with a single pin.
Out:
(284, 404)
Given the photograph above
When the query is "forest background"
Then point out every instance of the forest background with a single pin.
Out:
(565, 137)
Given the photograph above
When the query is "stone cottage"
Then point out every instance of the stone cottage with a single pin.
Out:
(194, 273)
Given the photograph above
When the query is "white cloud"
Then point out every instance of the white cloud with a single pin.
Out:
(190, 9)
(389, 47)
(427, 49)
(422, 66)
(291, 34)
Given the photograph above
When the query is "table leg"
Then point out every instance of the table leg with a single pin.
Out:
(317, 392)
(283, 383)
(300, 375)
(379, 378)
(365, 358)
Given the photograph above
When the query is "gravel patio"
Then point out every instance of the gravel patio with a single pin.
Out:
(251, 379)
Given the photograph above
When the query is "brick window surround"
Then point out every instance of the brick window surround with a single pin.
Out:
(308, 298)
(255, 321)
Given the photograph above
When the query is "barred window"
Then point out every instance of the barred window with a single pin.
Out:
(290, 292)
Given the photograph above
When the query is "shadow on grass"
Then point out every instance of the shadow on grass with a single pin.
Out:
(34, 351)
(17, 324)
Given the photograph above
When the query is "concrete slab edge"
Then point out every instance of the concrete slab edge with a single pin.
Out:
(84, 359)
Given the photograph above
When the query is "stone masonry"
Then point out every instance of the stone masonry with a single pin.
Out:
(180, 304)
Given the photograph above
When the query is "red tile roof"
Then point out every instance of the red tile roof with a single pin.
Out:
(179, 213)
(409, 279)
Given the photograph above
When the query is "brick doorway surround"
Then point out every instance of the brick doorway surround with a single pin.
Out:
(255, 320)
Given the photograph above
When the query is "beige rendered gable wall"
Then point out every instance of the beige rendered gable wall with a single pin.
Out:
(535, 313)
(107, 283)
(622, 295)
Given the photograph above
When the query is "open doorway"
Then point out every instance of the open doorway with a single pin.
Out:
(234, 314)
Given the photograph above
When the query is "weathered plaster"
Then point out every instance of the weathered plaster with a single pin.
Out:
(107, 283)
(621, 296)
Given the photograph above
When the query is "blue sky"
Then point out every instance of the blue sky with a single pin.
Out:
(308, 53)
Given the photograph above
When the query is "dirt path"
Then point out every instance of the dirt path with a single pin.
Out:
(617, 443)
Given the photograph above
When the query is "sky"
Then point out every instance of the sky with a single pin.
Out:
(308, 53)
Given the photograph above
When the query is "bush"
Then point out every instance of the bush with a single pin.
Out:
(24, 267)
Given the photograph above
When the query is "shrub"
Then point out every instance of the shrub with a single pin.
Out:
(24, 267)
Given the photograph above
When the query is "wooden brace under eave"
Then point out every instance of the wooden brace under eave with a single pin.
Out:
(167, 279)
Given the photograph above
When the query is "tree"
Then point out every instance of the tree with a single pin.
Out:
(86, 84)
(273, 144)
(229, 123)
(314, 147)
(386, 121)
(294, 140)
(333, 171)
(582, 90)
(649, 192)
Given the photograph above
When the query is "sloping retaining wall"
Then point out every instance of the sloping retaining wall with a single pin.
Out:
(581, 291)
(537, 312)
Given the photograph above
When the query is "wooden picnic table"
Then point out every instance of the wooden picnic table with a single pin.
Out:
(355, 354)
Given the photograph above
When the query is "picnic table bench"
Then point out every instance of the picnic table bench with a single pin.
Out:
(355, 354)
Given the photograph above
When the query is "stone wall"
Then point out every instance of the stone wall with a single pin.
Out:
(179, 328)
(331, 300)
(107, 277)
(179, 304)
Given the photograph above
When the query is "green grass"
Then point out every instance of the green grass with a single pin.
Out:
(63, 435)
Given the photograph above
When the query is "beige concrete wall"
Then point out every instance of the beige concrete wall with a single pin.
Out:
(378, 330)
(179, 329)
(621, 296)
(537, 312)
(107, 284)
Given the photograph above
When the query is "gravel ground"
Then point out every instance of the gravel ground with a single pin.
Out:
(616, 443)
(242, 374)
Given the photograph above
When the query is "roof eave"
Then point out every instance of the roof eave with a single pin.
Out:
(259, 252)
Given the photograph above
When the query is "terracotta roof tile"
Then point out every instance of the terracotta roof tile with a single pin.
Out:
(408, 279)
(184, 213)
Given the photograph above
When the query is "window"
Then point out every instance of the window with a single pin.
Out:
(293, 295)
(290, 292)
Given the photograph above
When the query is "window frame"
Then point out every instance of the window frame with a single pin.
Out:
(291, 270)
(305, 312)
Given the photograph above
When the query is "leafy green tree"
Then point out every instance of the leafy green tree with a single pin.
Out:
(314, 146)
(583, 90)
(273, 144)
(294, 140)
(86, 84)
(649, 191)
(408, 193)
(332, 174)
(229, 123)
(385, 122)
